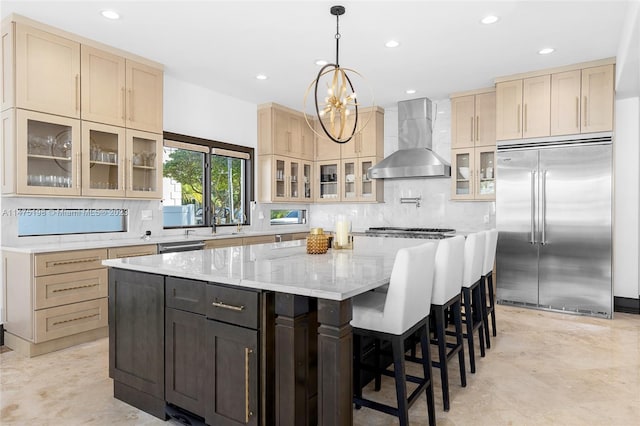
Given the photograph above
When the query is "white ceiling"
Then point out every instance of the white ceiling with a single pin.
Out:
(223, 45)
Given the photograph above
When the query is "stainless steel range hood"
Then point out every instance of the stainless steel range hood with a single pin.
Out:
(414, 157)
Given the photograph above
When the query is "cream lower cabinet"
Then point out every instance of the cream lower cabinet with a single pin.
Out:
(285, 179)
(473, 172)
(58, 299)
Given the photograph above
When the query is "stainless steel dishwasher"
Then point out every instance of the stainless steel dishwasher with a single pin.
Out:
(175, 246)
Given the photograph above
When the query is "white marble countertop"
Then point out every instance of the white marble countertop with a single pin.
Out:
(123, 242)
(283, 267)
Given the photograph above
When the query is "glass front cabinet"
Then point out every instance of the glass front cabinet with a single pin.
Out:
(327, 178)
(289, 179)
(356, 186)
(59, 156)
(473, 173)
(47, 159)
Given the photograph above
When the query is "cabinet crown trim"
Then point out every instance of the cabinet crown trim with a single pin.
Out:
(547, 71)
(473, 92)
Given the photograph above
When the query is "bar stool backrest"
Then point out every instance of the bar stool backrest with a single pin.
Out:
(490, 250)
(410, 286)
(473, 258)
(447, 280)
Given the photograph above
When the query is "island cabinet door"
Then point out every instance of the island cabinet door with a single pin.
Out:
(185, 367)
(232, 386)
(136, 338)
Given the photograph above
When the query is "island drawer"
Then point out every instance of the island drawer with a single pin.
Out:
(62, 289)
(186, 295)
(233, 305)
(69, 261)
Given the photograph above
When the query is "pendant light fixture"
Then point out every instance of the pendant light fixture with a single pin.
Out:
(337, 108)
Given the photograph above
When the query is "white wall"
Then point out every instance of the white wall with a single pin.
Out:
(626, 198)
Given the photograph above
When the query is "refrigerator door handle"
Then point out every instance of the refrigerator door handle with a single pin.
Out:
(543, 207)
(533, 207)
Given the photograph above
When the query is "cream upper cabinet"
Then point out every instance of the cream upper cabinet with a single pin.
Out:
(565, 103)
(143, 165)
(356, 186)
(103, 160)
(523, 108)
(509, 110)
(103, 87)
(473, 120)
(536, 97)
(369, 141)
(285, 179)
(47, 72)
(597, 99)
(143, 97)
(473, 173)
(282, 131)
(326, 149)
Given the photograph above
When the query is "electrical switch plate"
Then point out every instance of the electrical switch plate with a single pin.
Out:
(260, 215)
(146, 215)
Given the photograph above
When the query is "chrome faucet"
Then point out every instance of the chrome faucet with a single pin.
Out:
(213, 224)
(187, 232)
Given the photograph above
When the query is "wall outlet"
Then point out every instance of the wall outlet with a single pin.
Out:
(146, 215)
(486, 218)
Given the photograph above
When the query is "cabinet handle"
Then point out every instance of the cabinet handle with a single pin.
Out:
(533, 207)
(76, 319)
(130, 167)
(58, 290)
(74, 261)
(471, 129)
(577, 112)
(247, 411)
(289, 141)
(477, 127)
(130, 109)
(518, 131)
(586, 121)
(124, 102)
(77, 92)
(525, 118)
(229, 307)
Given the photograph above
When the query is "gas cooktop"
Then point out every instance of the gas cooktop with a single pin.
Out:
(393, 231)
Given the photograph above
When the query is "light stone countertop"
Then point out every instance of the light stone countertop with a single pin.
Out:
(124, 242)
(283, 267)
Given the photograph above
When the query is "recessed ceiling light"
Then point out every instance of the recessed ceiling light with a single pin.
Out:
(321, 62)
(261, 77)
(546, 50)
(392, 43)
(110, 14)
(490, 19)
(410, 91)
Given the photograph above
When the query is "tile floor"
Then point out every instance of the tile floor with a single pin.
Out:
(543, 369)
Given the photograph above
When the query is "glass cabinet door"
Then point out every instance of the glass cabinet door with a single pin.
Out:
(103, 160)
(463, 173)
(349, 181)
(48, 154)
(368, 186)
(280, 183)
(144, 171)
(485, 170)
(306, 181)
(294, 180)
(328, 181)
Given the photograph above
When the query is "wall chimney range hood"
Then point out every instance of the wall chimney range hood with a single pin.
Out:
(414, 157)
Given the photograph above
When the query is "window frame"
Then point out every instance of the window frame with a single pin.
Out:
(248, 183)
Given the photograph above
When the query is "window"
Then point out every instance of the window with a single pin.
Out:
(288, 217)
(204, 181)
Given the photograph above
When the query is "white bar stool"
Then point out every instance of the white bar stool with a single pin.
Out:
(491, 242)
(471, 299)
(394, 316)
(447, 296)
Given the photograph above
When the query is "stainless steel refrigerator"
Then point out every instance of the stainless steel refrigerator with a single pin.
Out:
(553, 214)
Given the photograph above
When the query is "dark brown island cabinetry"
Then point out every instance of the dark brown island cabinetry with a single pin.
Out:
(212, 353)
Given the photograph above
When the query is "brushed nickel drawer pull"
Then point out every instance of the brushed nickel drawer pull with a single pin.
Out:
(229, 307)
(70, 262)
(76, 319)
(247, 411)
(58, 290)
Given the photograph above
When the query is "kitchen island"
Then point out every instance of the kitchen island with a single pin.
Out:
(298, 307)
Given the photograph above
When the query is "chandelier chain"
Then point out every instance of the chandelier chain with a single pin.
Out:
(337, 40)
